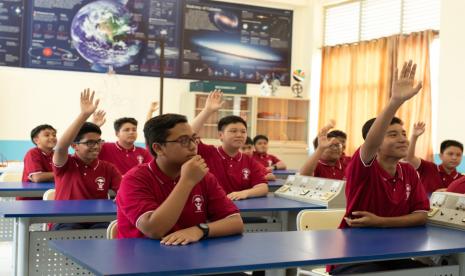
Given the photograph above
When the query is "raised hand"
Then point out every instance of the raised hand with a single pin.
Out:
(214, 101)
(194, 170)
(323, 141)
(418, 129)
(402, 87)
(98, 118)
(88, 106)
(153, 106)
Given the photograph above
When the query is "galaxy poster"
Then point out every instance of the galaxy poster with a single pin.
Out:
(11, 30)
(121, 36)
(224, 41)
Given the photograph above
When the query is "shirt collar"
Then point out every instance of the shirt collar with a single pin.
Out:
(454, 174)
(224, 155)
(94, 164)
(386, 176)
(123, 149)
(337, 165)
(44, 153)
(159, 175)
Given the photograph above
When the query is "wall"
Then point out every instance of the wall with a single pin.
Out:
(29, 97)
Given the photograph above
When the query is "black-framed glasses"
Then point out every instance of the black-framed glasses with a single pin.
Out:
(185, 141)
(91, 143)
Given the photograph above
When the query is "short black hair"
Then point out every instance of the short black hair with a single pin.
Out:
(35, 131)
(232, 119)
(87, 127)
(259, 137)
(157, 129)
(121, 121)
(332, 134)
(366, 127)
(450, 143)
(248, 141)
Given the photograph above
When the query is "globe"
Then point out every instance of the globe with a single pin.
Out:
(103, 33)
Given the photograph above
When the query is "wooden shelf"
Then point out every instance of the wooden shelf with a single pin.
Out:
(227, 110)
(282, 120)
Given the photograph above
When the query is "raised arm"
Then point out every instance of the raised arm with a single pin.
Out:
(98, 118)
(402, 90)
(152, 109)
(213, 104)
(418, 130)
(310, 165)
(88, 106)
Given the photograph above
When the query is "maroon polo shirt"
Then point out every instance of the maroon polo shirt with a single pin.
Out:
(370, 188)
(336, 171)
(124, 159)
(434, 176)
(36, 161)
(77, 180)
(234, 174)
(146, 187)
(265, 159)
(457, 186)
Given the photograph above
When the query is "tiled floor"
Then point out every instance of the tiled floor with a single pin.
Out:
(6, 258)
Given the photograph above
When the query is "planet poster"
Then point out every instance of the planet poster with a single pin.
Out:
(224, 41)
(11, 30)
(121, 36)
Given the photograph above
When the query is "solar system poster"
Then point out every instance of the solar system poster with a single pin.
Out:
(103, 35)
(223, 41)
(11, 30)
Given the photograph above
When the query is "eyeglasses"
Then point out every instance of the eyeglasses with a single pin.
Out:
(185, 141)
(91, 143)
(236, 131)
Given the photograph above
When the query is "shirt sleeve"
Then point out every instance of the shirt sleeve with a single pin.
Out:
(60, 171)
(115, 177)
(357, 171)
(426, 167)
(218, 205)
(274, 159)
(205, 150)
(418, 199)
(257, 174)
(32, 164)
(457, 186)
(135, 198)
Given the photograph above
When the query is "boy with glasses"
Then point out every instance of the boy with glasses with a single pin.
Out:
(83, 175)
(239, 175)
(174, 198)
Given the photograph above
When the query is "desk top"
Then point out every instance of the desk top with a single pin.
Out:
(257, 251)
(276, 183)
(66, 208)
(26, 186)
(284, 172)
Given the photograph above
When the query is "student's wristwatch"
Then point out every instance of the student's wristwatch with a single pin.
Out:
(205, 229)
(275, 167)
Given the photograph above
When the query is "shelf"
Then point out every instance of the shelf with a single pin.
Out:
(282, 120)
(227, 110)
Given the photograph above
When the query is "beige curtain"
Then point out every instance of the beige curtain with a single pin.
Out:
(356, 81)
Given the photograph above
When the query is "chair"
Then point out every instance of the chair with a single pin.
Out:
(49, 195)
(11, 176)
(318, 220)
(112, 230)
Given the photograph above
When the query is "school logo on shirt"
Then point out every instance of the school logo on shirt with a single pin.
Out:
(270, 163)
(245, 174)
(140, 159)
(408, 189)
(198, 202)
(100, 183)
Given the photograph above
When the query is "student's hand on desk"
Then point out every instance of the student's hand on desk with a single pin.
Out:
(88, 106)
(214, 101)
(364, 219)
(418, 129)
(238, 195)
(270, 176)
(183, 237)
(98, 118)
(194, 170)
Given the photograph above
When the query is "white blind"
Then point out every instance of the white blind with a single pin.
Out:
(368, 19)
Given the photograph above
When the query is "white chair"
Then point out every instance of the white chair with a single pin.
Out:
(11, 176)
(49, 195)
(318, 220)
(112, 230)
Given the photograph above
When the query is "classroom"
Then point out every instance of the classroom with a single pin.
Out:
(245, 137)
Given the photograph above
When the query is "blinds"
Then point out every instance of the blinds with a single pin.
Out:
(368, 19)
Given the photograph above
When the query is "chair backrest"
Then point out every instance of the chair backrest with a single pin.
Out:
(11, 176)
(112, 230)
(49, 195)
(319, 219)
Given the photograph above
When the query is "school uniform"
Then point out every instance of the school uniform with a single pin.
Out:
(326, 170)
(434, 176)
(457, 186)
(265, 159)
(124, 159)
(146, 187)
(234, 174)
(35, 161)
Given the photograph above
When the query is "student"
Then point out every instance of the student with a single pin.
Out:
(260, 143)
(83, 175)
(174, 197)
(38, 160)
(152, 109)
(380, 190)
(247, 148)
(457, 186)
(328, 160)
(239, 175)
(436, 177)
(123, 153)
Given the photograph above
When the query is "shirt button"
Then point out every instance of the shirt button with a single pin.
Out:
(394, 180)
(85, 173)
(85, 166)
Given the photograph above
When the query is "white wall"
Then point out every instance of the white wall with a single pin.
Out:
(451, 102)
(29, 97)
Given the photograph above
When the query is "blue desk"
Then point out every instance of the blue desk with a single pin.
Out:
(255, 251)
(26, 212)
(283, 174)
(273, 185)
(24, 189)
